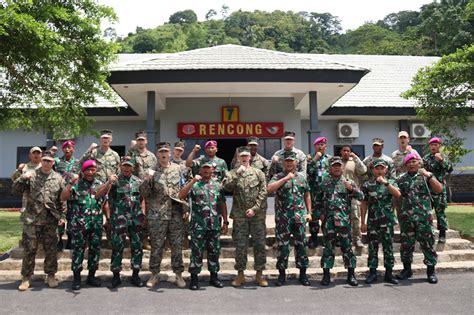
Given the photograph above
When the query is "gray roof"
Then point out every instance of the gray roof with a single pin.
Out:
(227, 57)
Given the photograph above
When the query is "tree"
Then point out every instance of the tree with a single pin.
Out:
(445, 93)
(183, 17)
(54, 61)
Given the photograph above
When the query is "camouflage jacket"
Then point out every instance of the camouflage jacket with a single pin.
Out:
(124, 199)
(143, 162)
(108, 163)
(219, 165)
(316, 172)
(277, 167)
(391, 172)
(257, 161)
(249, 191)
(353, 169)
(66, 168)
(289, 199)
(336, 199)
(85, 208)
(43, 193)
(439, 169)
(416, 201)
(206, 200)
(397, 157)
(379, 202)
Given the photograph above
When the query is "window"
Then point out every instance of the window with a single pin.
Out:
(22, 154)
(358, 149)
(120, 149)
(267, 147)
(420, 148)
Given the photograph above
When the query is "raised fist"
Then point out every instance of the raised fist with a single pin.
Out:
(241, 169)
(275, 159)
(113, 178)
(439, 157)
(290, 175)
(196, 148)
(92, 146)
(348, 185)
(318, 155)
(197, 178)
(74, 178)
(21, 166)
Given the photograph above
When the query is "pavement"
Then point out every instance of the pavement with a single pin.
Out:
(452, 295)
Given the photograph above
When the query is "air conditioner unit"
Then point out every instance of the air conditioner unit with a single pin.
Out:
(348, 130)
(419, 131)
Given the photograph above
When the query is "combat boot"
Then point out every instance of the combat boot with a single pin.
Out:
(194, 283)
(389, 278)
(406, 272)
(303, 278)
(442, 236)
(215, 281)
(237, 282)
(92, 280)
(180, 283)
(76, 282)
(372, 276)
(281, 278)
(351, 280)
(136, 281)
(430, 272)
(326, 280)
(25, 283)
(51, 281)
(154, 279)
(115, 280)
(260, 280)
(313, 240)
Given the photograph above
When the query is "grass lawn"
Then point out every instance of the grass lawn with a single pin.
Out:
(10, 230)
(461, 218)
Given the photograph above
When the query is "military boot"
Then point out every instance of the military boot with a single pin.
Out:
(76, 282)
(389, 278)
(430, 272)
(92, 280)
(326, 280)
(136, 280)
(115, 280)
(180, 283)
(25, 283)
(154, 279)
(51, 281)
(237, 282)
(303, 278)
(194, 283)
(215, 281)
(313, 240)
(260, 280)
(372, 276)
(281, 278)
(351, 280)
(406, 272)
(442, 236)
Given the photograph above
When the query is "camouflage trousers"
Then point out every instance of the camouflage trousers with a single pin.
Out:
(380, 234)
(284, 230)
(332, 234)
(440, 204)
(314, 224)
(355, 220)
(204, 239)
(421, 231)
(83, 236)
(241, 229)
(173, 231)
(62, 227)
(32, 235)
(121, 228)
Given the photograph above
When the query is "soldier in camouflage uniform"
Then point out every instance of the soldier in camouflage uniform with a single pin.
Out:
(440, 166)
(318, 168)
(165, 215)
(85, 222)
(377, 146)
(378, 194)
(178, 150)
(126, 218)
(335, 194)
(278, 157)
(416, 218)
(256, 160)
(208, 210)
(43, 211)
(219, 166)
(249, 188)
(292, 204)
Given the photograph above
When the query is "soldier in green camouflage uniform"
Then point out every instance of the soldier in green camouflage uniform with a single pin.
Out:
(126, 219)
(43, 211)
(276, 165)
(165, 215)
(292, 204)
(318, 168)
(219, 166)
(208, 210)
(85, 222)
(416, 218)
(336, 194)
(256, 160)
(381, 220)
(440, 166)
(249, 207)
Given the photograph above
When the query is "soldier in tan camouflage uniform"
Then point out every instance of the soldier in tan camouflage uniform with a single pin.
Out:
(278, 157)
(178, 151)
(43, 188)
(256, 160)
(248, 186)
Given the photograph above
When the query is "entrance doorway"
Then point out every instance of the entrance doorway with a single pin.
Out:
(227, 148)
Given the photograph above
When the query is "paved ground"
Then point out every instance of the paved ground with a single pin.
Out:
(452, 295)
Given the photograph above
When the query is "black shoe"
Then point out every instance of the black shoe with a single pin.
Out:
(194, 284)
(115, 281)
(303, 279)
(351, 280)
(60, 245)
(136, 281)
(406, 272)
(430, 272)
(76, 282)
(313, 240)
(92, 280)
(442, 236)
(215, 281)
(281, 278)
(326, 280)
(389, 278)
(372, 276)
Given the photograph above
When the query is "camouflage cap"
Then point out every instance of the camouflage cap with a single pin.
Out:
(47, 155)
(252, 140)
(289, 155)
(127, 160)
(403, 134)
(163, 146)
(36, 149)
(379, 162)
(289, 135)
(140, 135)
(105, 133)
(243, 151)
(207, 164)
(180, 145)
(377, 141)
(335, 160)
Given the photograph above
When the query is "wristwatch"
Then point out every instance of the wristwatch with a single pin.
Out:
(430, 177)
(226, 223)
(386, 184)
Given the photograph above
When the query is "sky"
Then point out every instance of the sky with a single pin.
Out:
(352, 13)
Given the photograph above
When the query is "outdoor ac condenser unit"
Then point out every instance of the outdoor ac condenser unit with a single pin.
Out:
(419, 131)
(348, 130)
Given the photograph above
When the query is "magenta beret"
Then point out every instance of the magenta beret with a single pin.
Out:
(87, 164)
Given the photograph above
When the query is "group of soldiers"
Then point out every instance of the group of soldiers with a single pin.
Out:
(149, 198)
